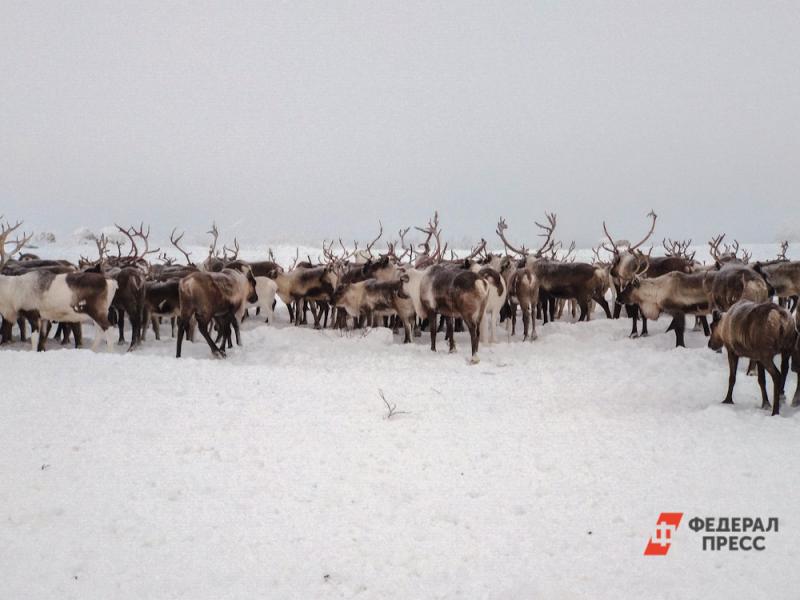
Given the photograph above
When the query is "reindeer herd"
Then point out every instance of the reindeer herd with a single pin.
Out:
(416, 286)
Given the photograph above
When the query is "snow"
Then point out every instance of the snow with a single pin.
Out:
(538, 473)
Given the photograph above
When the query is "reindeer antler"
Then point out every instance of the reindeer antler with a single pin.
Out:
(548, 233)
(176, 242)
(433, 230)
(215, 235)
(784, 248)
(145, 237)
(5, 230)
(713, 246)
(234, 251)
(653, 216)
(368, 249)
(133, 252)
(477, 250)
(501, 227)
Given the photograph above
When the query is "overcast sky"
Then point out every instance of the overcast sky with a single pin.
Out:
(303, 120)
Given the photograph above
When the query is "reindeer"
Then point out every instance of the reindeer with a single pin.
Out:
(675, 293)
(571, 280)
(64, 297)
(214, 296)
(451, 292)
(130, 273)
(758, 331)
(629, 262)
(365, 298)
(733, 279)
(784, 276)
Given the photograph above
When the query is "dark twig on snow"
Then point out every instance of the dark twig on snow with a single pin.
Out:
(391, 409)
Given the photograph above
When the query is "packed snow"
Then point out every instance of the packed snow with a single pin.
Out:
(538, 473)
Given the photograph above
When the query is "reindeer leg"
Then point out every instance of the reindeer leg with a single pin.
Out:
(450, 335)
(784, 372)
(733, 364)
(44, 332)
(678, 325)
(762, 383)
(617, 303)
(235, 323)
(121, 324)
(22, 328)
(583, 305)
(603, 304)
(704, 323)
(181, 331)
(777, 387)
(77, 333)
(474, 338)
(203, 327)
(526, 319)
(633, 313)
(750, 367)
(6, 332)
(407, 331)
(432, 327)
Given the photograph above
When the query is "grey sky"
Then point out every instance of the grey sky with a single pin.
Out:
(302, 120)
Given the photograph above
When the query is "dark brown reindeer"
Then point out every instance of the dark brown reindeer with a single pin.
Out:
(210, 297)
(758, 331)
(580, 281)
(733, 279)
(130, 273)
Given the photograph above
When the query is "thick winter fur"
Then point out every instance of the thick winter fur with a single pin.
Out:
(452, 292)
(627, 265)
(209, 296)
(676, 294)
(524, 291)
(162, 299)
(496, 299)
(734, 282)
(266, 289)
(581, 281)
(759, 331)
(306, 284)
(65, 297)
(372, 296)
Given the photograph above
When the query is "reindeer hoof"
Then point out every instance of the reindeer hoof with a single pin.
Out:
(452, 351)
(727, 401)
(633, 335)
(474, 360)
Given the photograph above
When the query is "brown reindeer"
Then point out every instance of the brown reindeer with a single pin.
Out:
(676, 294)
(451, 291)
(373, 297)
(582, 282)
(758, 331)
(210, 296)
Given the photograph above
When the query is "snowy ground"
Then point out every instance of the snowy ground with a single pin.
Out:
(538, 473)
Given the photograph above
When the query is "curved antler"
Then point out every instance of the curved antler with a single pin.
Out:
(653, 216)
(501, 227)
